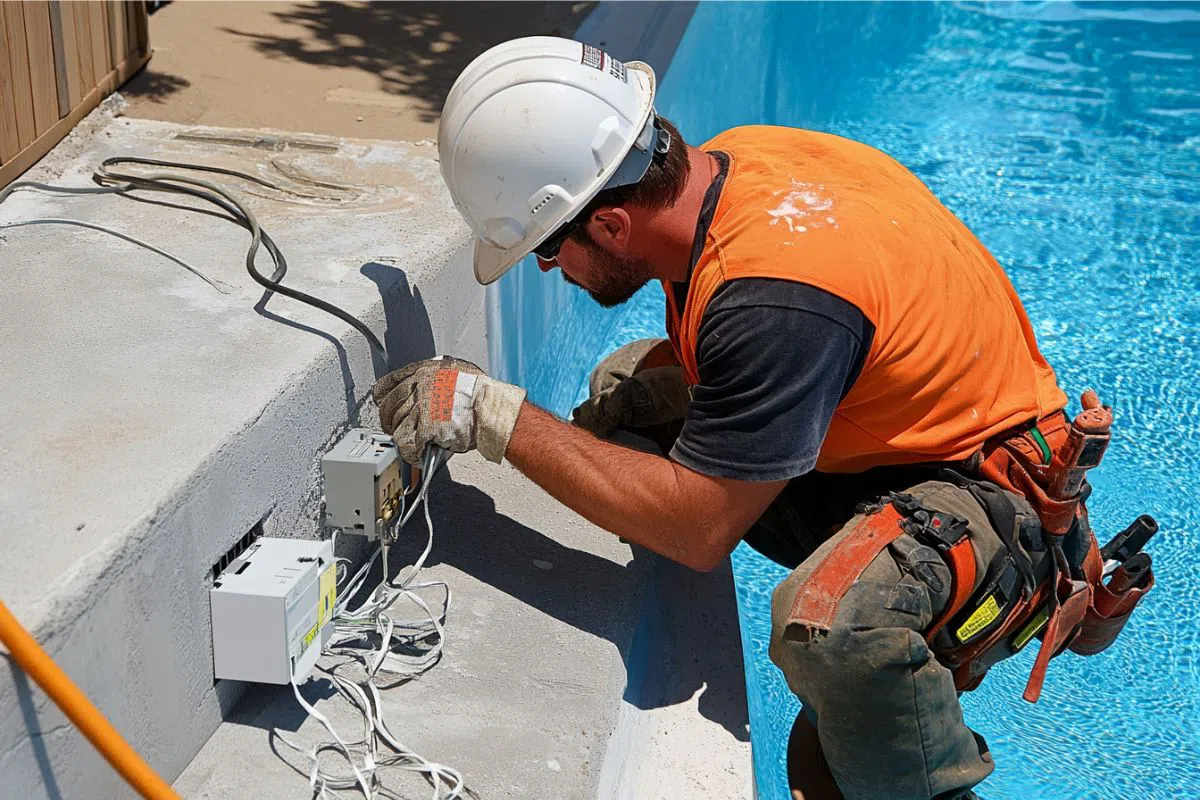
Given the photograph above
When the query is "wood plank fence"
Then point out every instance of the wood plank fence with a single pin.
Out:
(58, 60)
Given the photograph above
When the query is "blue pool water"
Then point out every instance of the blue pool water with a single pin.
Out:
(1068, 138)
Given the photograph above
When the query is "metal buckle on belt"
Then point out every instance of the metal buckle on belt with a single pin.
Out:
(936, 529)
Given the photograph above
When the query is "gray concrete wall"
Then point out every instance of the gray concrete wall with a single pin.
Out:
(150, 421)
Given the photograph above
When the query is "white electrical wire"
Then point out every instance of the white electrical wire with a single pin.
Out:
(354, 630)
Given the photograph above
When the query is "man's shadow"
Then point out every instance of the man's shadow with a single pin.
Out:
(686, 638)
(408, 333)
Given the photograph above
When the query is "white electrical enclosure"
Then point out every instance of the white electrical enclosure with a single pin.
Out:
(363, 481)
(271, 609)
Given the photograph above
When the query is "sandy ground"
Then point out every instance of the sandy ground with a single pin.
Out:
(373, 70)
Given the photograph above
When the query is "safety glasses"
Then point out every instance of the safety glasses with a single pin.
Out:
(548, 249)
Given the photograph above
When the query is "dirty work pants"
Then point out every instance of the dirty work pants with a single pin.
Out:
(886, 712)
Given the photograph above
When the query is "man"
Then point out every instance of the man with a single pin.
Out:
(851, 385)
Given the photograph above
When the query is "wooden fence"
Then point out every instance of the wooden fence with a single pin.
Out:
(58, 60)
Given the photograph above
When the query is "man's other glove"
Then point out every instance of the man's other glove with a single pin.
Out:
(449, 403)
(626, 395)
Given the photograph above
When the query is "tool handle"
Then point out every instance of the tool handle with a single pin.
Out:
(1131, 540)
(1129, 574)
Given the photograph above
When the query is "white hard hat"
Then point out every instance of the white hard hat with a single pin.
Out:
(532, 130)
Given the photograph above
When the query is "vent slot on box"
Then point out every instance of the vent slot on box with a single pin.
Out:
(252, 535)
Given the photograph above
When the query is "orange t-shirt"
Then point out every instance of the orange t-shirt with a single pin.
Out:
(953, 360)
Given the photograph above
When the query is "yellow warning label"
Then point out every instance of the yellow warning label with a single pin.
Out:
(328, 595)
(1031, 628)
(324, 603)
(979, 619)
(308, 637)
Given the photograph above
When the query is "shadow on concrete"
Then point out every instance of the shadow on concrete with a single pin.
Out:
(688, 642)
(275, 708)
(565, 583)
(154, 86)
(409, 334)
(688, 638)
(347, 377)
(414, 49)
(34, 727)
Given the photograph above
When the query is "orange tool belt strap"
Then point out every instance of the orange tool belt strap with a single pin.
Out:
(816, 604)
(1069, 607)
(961, 558)
(1026, 461)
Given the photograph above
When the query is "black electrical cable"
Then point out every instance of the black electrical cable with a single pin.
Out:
(165, 182)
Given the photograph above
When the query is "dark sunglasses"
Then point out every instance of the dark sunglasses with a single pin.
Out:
(548, 250)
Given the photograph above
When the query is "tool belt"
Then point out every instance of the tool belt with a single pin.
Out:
(1051, 581)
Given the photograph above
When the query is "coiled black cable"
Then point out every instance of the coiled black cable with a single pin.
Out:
(228, 202)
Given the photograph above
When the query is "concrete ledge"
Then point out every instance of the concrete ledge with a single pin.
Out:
(151, 420)
(160, 420)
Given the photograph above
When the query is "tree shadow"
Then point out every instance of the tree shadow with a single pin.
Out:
(415, 49)
(154, 86)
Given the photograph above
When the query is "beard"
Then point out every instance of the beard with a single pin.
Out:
(614, 280)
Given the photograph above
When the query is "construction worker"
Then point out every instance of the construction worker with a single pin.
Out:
(851, 385)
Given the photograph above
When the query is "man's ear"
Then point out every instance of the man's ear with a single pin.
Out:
(611, 228)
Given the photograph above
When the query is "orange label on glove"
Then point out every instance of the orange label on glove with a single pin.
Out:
(441, 400)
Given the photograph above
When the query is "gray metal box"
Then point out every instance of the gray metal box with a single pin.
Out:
(362, 479)
(270, 611)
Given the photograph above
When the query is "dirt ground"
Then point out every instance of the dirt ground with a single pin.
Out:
(372, 70)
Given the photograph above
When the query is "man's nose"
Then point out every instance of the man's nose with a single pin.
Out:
(544, 265)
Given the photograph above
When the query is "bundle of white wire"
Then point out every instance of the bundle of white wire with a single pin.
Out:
(354, 631)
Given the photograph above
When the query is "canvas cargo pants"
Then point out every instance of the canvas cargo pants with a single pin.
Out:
(881, 717)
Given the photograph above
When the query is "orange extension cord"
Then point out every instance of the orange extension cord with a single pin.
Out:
(74, 703)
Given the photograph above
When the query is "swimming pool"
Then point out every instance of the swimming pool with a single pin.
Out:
(1068, 138)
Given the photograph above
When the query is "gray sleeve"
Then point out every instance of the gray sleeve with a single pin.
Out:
(775, 359)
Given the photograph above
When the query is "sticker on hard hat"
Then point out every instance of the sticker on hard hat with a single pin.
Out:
(598, 59)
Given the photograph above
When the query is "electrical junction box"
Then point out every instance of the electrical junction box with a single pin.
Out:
(363, 481)
(271, 609)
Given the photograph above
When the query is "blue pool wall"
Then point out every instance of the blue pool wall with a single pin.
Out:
(1068, 138)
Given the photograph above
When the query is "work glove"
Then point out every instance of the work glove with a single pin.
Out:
(449, 403)
(648, 397)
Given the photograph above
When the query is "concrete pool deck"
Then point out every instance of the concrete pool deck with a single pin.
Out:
(154, 419)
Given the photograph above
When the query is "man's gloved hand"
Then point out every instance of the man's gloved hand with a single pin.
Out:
(648, 397)
(449, 403)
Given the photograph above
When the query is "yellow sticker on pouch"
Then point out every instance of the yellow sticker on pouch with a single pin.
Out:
(979, 619)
